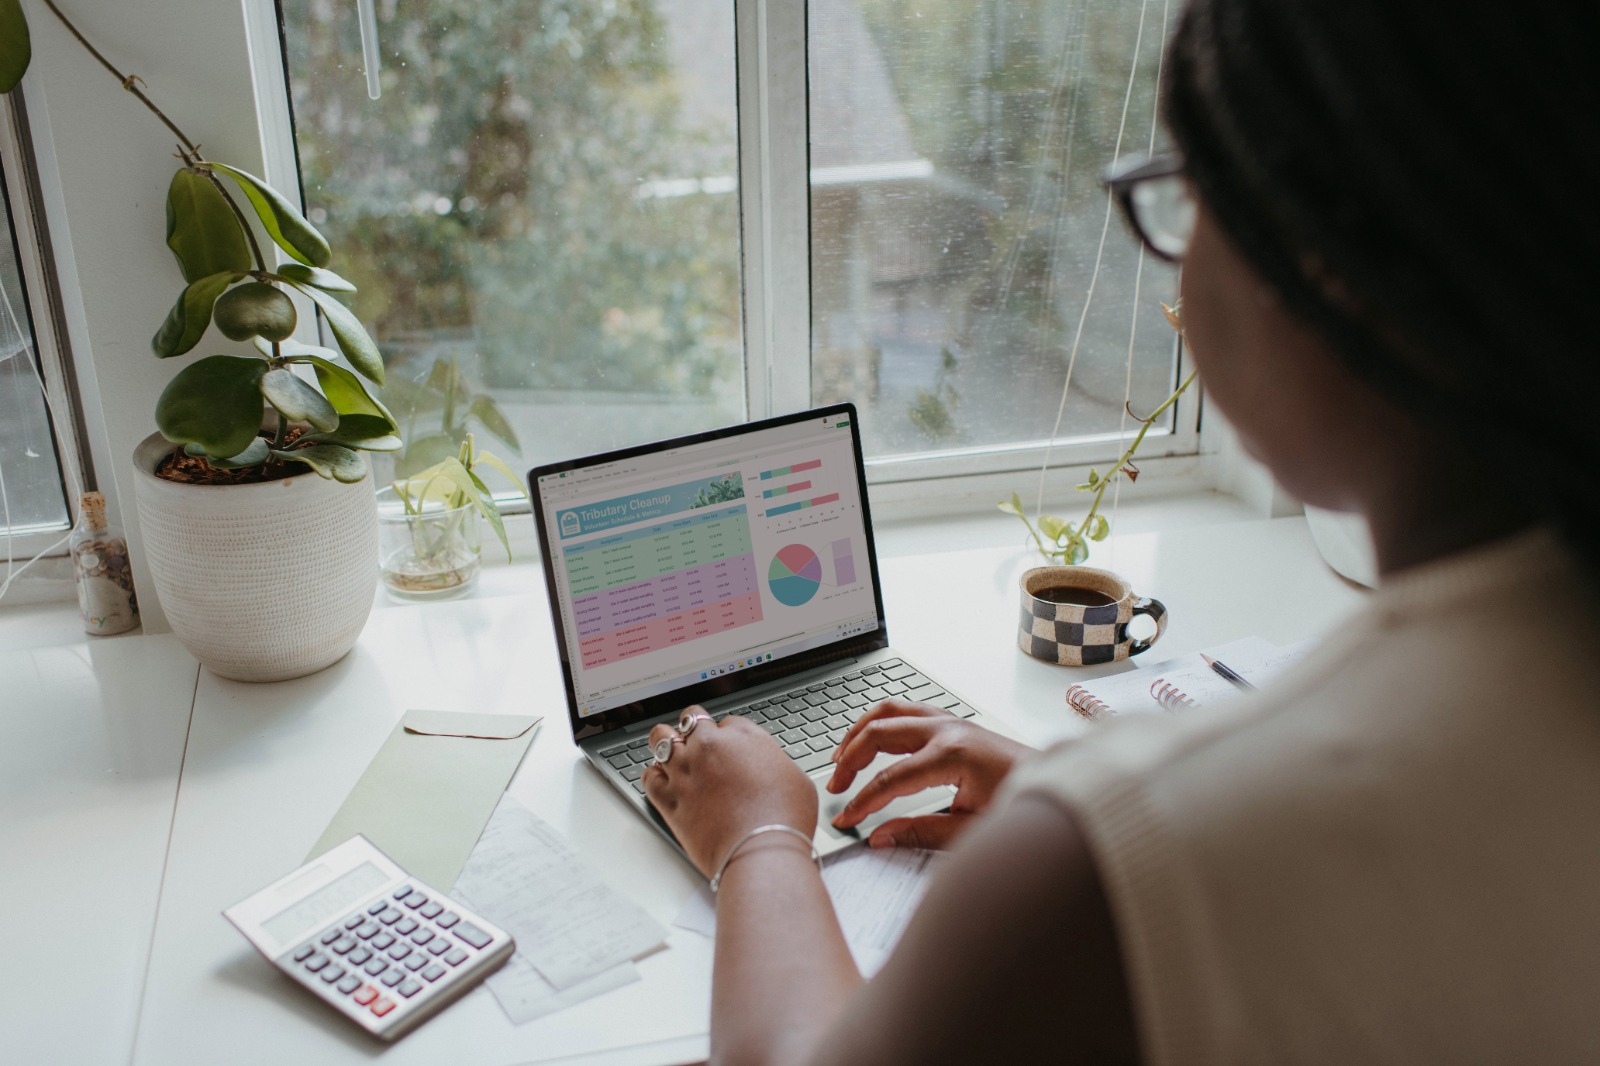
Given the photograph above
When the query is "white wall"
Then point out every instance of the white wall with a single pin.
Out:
(105, 163)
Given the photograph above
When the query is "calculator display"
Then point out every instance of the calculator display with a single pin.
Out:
(334, 897)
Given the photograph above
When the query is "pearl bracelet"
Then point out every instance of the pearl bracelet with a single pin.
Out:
(742, 841)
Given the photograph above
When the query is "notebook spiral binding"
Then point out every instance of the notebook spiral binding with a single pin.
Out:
(1169, 695)
(1082, 701)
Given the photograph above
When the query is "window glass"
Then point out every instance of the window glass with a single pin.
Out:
(32, 499)
(958, 227)
(540, 212)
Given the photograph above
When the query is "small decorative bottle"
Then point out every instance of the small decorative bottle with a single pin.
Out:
(100, 564)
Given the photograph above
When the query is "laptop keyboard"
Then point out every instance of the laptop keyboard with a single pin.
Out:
(808, 722)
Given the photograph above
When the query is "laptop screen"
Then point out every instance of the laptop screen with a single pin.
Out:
(692, 568)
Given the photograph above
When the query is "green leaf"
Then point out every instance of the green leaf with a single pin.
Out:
(298, 401)
(494, 462)
(348, 331)
(1012, 506)
(368, 433)
(187, 321)
(255, 309)
(16, 49)
(325, 280)
(202, 230)
(1094, 476)
(284, 224)
(1076, 552)
(260, 451)
(215, 403)
(490, 511)
(1051, 526)
(345, 391)
(489, 415)
(1099, 528)
(333, 461)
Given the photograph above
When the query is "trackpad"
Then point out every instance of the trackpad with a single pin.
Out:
(925, 802)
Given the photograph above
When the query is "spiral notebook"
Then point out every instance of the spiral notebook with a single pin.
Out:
(1184, 681)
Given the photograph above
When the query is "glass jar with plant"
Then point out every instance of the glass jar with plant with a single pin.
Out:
(428, 525)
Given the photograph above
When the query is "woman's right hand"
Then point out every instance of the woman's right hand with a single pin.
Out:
(941, 749)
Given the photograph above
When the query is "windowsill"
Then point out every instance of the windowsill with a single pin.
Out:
(47, 624)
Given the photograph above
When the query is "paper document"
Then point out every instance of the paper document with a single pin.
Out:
(874, 893)
(524, 995)
(570, 926)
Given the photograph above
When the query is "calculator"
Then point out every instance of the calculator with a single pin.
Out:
(376, 944)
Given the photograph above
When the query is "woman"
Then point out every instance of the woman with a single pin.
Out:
(1393, 854)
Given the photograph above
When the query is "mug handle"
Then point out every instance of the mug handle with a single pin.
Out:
(1158, 613)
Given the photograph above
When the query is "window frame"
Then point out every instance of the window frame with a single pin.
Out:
(41, 287)
(771, 64)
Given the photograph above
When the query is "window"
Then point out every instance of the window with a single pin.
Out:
(34, 511)
(578, 224)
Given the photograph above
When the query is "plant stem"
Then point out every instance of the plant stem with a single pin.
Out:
(283, 430)
(1122, 460)
(128, 82)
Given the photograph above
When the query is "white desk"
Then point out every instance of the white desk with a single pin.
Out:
(266, 766)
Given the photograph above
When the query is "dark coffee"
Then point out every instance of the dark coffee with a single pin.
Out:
(1078, 597)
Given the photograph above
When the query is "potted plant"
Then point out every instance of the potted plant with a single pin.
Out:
(255, 503)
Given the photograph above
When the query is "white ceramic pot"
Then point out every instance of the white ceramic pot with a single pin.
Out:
(260, 582)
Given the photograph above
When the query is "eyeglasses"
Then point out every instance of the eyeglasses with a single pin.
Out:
(1155, 199)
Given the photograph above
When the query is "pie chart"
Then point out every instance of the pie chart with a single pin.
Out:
(795, 575)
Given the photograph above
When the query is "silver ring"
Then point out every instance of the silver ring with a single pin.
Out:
(687, 723)
(663, 748)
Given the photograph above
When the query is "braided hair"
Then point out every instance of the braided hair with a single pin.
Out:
(1419, 184)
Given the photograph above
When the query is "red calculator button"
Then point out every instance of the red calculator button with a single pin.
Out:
(382, 1005)
(365, 995)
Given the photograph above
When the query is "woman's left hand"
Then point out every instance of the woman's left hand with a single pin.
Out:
(723, 780)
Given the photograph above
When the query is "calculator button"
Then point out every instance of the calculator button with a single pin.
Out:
(456, 957)
(349, 984)
(317, 962)
(377, 965)
(332, 934)
(434, 972)
(409, 988)
(439, 946)
(473, 935)
(332, 974)
(381, 941)
(305, 952)
(390, 916)
(366, 995)
(415, 900)
(368, 931)
(358, 956)
(399, 951)
(402, 892)
(393, 977)
(354, 920)
(421, 936)
(432, 910)
(448, 919)
(382, 1005)
(405, 927)
(378, 906)
(416, 962)
(343, 945)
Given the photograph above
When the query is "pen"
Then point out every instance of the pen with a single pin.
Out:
(1228, 675)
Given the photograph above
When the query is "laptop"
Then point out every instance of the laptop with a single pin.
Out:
(734, 569)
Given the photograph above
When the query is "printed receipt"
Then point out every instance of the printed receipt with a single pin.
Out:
(874, 893)
(576, 936)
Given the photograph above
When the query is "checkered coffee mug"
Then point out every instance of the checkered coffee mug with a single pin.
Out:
(1078, 616)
